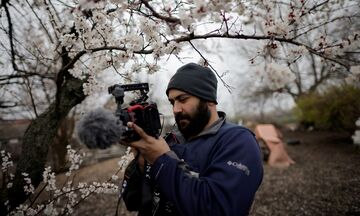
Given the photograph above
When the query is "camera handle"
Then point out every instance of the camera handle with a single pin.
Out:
(118, 91)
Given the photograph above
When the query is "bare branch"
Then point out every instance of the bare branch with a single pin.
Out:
(253, 37)
(323, 24)
(157, 15)
(228, 87)
(22, 75)
(7, 104)
(191, 37)
(12, 48)
(315, 7)
(33, 104)
(41, 23)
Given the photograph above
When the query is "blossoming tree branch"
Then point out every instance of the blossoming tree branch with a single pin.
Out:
(53, 52)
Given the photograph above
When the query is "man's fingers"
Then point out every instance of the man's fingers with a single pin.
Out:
(138, 130)
(135, 145)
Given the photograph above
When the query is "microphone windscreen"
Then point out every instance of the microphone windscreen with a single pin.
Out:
(99, 128)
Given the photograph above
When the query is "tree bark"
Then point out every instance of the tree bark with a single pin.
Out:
(37, 138)
(57, 150)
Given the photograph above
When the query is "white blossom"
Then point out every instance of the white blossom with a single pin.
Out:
(6, 161)
(221, 5)
(159, 48)
(357, 123)
(114, 177)
(185, 19)
(172, 48)
(299, 50)
(200, 9)
(149, 27)
(355, 70)
(49, 178)
(50, 209)
(92, 86)
(21, 209)
(31, 211)
(67, 40)
(277, 76)
(75, 160)
(133, 42)
(122, 57)
(28, 187)
(278, 29)
(77, 72)
(354, 75)
(152, 68)
(136, 67)
(105, 187)
(356, 137)
(99, 17)
(125, 159)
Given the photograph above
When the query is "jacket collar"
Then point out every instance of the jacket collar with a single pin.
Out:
(213, 129)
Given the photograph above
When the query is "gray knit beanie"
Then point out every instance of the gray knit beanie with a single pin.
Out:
(196, 80)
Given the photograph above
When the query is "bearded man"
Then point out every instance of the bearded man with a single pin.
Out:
(207, 166)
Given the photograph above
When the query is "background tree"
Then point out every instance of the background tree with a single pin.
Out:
(55, 53)
(328, 27)
(334, 109)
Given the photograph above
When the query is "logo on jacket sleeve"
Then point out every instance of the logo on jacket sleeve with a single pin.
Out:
(239, 166)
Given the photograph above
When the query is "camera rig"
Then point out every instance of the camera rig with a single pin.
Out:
(144, 114)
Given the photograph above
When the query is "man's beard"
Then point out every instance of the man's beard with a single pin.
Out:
(195, 122)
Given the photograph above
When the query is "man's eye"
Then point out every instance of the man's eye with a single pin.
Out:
(182, 100)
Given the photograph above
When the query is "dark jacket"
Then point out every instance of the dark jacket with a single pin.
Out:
(215, 173)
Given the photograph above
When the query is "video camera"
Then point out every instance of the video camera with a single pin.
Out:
(142, 113)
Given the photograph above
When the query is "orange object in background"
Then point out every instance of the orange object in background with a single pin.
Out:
(273, 147)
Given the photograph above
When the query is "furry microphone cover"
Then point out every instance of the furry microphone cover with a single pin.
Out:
(99, 128)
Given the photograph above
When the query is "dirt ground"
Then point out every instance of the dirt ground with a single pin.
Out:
(324, 181)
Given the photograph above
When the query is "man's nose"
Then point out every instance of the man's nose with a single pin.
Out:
(177, 108)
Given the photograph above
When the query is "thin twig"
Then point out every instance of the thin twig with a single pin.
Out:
(41, 23)
(157, 15)
(228, 87)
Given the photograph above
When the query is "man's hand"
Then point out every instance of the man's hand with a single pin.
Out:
(150, 148)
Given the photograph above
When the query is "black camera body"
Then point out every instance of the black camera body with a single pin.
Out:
(144, 114)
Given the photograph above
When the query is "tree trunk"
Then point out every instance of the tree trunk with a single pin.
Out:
(37, 138)
(57, 150)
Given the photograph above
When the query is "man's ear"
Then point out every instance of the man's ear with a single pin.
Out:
(211, 104)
